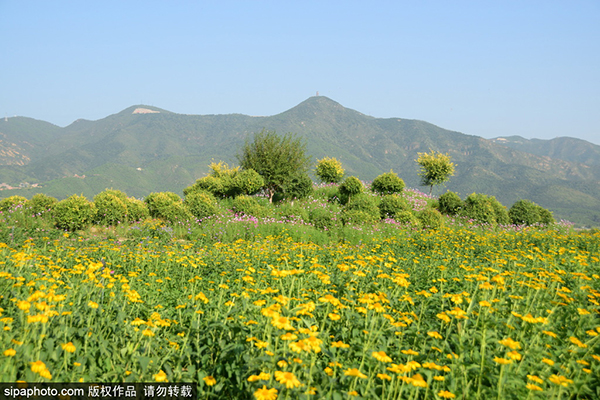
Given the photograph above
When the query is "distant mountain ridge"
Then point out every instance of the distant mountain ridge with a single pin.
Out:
(161, 150)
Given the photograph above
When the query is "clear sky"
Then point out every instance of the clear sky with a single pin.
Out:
(486, 68)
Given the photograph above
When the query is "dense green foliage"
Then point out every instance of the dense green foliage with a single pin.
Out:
(392, 205)
(276, 158)
(525, 212)
(110, 208)
(436, 168)
(299, 186)
(73, 213)
(388, 183)
(12, 201)
(430, 218)
(351, 186)
(201, 204)
(41, 203)
(329, 170)
(449, 203)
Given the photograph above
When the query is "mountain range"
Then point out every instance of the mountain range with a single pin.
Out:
(144, 149)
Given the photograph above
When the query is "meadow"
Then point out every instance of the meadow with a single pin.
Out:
(386, 313)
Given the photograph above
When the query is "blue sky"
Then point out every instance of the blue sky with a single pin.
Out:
(529, 68)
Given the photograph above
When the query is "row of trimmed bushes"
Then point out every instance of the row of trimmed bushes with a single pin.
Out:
(487, 209)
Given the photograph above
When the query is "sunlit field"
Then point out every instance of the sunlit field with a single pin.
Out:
(440, 314)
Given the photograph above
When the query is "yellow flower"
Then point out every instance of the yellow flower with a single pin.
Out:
(288, 336)
(384, 377)
(92, 304)
(328, 371)
(46, 374)
(578, 342)
(260, 344)
(354, 372)
(282, 363)
(266, 394)
(446, 394)
(514, 355)
(417, 381)
(554, 335)
(287, 378)
(502, 361)
(583, 311)
(381, 356)
(508, 342)
(439, 378)
(353, 393)
(68, 347)
(280, 322)
(340, 344)
(559, 380)
(38, 367)
(263, 376)
(23, 305)
(160, 377)
(410, 352)
(535, 378)
(485, 303)
(137, 322)
(548, 361)
(10, 352)
(443, 317)
(531, 386)
(147, 332)
(209, 380)
(334, 317)
(435, 335)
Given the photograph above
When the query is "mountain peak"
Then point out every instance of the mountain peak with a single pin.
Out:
(321, 105)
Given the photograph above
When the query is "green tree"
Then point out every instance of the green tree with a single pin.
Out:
(329, 170)
(436, 168)
(276, 158)
(388, 183)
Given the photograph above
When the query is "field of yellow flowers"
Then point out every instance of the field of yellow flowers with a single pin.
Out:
(421, 315)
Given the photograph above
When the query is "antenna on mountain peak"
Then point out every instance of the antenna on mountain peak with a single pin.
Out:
(317, 92)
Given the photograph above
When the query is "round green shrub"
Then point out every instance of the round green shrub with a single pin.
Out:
(407, 218)
(12, 201)
(449, 203)
(209, 184)
(175, 212)
(117, 193)
(110, 209)
(136, 210)
(500, 212)
(430, 218)
(247, 182)
(391, 205)
(524, 212)
(73, 213)
(388, 183)
(41, 203)
(299, 187)
(247, 205)
(329, 170)
(351, 186)
(158, 202)
(546, 216)
(322, 219)
(478, 207)
(201, 204)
